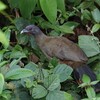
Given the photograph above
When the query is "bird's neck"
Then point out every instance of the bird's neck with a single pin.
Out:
(40, 38)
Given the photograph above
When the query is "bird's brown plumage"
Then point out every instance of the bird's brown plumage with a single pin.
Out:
(65, 50)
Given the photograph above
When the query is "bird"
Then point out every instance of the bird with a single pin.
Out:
(65, 50)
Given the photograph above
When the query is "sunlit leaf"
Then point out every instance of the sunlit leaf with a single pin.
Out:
(2, 6)
(86, 79)
(95, 28)
(4, 40)
(90, 93)
(1, 83)
(49, 8)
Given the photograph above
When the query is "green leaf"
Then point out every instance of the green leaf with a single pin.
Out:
(32, 66)
(13, 3)
(86, 15)
(38, 92)
(61, 5)
(21, 23)
(96, 69)
(17, 52)
(63, 70)
(89, 45)
(2, 6)
(19, 73)
(83, 85)
(85, 4)
(66, 29)
(14, 62)
(71, 24)
(58, 95)
(95, 28)
(90, 93)
(1, 83)
(52, 82)
(49, 8)
(4, 40)
(22, 38)
(26, 7)
(94, 82)
(1, 54)
(86, 79)
(3, 63)
(53, 62)
(96, 15)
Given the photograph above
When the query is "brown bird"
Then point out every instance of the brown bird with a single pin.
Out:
(65, 50)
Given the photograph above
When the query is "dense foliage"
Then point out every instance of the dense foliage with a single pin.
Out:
(25, 73)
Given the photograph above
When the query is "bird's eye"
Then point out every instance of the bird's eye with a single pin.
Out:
(30, 29)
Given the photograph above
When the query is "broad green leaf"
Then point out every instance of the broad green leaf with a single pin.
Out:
(2, 6)
(13, 3)
(4, 40)
(95, 28)
(49, 8)
(96, 15)
(38, 92)
(89, 45)
(26, 7)
(21, 23)
(1, 83)
(63, 70)
(18, 73)
(58, 95)
(61, 5)
(52, 82)
(86, 79)
(90, 93)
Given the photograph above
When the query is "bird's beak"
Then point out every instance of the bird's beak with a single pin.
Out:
(24, 31)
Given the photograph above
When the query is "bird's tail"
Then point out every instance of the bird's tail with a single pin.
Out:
(78, 74)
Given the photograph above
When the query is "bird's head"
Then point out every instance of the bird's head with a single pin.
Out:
(32, 29)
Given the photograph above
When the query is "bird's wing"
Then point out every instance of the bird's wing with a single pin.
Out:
(63, 49)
